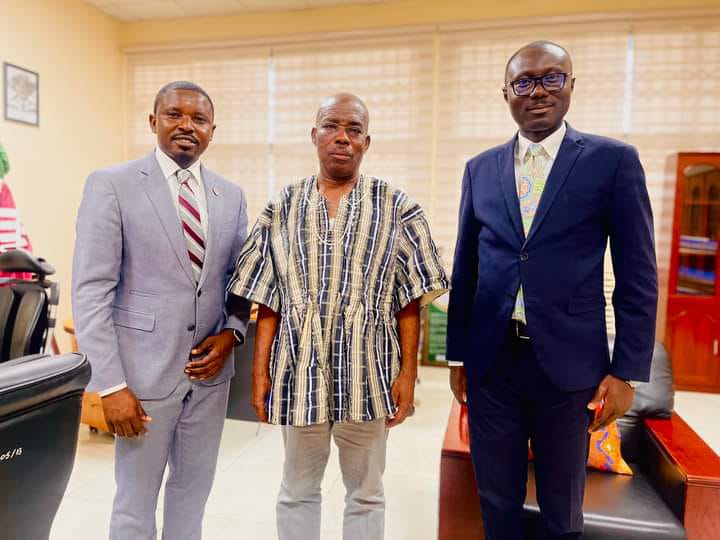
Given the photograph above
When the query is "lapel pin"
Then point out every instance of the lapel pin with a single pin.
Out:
(216, 191)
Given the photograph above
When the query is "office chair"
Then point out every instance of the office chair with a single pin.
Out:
(40, 398)
(26, 305)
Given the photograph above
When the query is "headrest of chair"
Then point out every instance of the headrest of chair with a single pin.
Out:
(31, 380)
(657, 397)
(17, 260)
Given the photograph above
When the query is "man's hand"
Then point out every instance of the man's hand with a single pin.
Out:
(612, 399)
(265, 331)
(458, 384)
(260, 389)
(124, 414)
(403, 394)
(216, 350)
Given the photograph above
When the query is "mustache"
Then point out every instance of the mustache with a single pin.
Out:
(186, 137)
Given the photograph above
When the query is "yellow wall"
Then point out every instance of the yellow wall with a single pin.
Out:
(367, 16)
(77, 51)
(74, 48)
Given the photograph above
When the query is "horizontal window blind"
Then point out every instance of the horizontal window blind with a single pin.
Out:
(674, 107)
(475, 117)
(394, 79)
(435, 101)
(237, 81)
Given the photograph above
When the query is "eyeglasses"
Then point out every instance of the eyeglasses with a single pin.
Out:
(552, 82)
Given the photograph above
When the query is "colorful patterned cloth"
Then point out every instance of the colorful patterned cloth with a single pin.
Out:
(530, 185)
(604, 451)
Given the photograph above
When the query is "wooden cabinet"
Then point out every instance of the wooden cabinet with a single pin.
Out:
(692, 324)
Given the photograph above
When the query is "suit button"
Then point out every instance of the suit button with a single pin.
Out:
(191, 328)
(199, 294)
(524, 256)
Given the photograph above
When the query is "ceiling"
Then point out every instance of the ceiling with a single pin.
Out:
(138, 10)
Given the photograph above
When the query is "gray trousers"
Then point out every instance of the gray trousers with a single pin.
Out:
(361, 449)
(185, 434)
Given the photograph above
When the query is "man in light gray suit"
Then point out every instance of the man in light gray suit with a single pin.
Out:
(157, 239)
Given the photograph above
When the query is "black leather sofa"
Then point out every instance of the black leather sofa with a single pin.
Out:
(673, 494)
(40, 398)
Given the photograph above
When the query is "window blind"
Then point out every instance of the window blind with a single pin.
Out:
(435, 101)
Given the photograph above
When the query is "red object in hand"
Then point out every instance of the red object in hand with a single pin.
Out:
(599, 408)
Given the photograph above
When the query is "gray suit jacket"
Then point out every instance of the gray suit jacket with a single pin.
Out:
(136, 307)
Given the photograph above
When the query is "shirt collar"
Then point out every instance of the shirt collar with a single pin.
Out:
(551, 143)
(169, 167)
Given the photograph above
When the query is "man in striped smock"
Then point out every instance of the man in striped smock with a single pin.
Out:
(340, 264)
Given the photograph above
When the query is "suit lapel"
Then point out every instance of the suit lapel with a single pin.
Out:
(216, 207)
(157, 190)
(570, 149)
(506, 168)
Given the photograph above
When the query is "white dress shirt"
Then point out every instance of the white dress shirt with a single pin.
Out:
(551, 145)
(169, 169)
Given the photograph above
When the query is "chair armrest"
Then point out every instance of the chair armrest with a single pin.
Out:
(697, 466)
(459, 504)
(457, 436)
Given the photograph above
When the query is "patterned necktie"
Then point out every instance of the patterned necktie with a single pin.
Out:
(191, 222)
(530, 185)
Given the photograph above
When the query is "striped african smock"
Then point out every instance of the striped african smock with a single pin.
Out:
(337, 289)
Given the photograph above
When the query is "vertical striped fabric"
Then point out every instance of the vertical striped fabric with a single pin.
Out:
(12, 233)
(337, 353)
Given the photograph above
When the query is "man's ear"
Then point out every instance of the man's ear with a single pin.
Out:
(367, 142)
(313, 135)
(572, 84)
(212, 133)
(505, 94)
(152, 119)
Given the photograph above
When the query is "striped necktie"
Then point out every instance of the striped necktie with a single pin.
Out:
(530, 185)
(191, 222)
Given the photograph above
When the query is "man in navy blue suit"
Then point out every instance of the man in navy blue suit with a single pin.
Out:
(527, 342)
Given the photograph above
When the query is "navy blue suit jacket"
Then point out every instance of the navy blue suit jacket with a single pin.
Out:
(595, 191)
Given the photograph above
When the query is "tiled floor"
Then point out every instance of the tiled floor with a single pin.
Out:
(701, 412)
(242, 503)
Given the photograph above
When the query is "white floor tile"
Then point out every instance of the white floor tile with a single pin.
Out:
(93, 472)
(216, 528)
(237, 436)
(411, 512)
(700, 411)
(242, 502)
(81, 519)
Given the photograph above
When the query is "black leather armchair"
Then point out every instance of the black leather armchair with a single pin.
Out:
(40, 398)
(673, 494)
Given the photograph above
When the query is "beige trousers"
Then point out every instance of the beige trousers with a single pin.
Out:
(361, 448)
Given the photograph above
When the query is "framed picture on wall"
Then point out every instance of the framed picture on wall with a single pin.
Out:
(22, 94)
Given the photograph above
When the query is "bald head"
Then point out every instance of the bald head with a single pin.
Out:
(548, 47)
(341, 137)
(344, 100)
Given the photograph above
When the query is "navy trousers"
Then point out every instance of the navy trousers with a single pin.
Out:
(514, 402)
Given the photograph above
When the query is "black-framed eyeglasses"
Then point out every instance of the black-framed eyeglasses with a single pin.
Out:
(552, 82)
